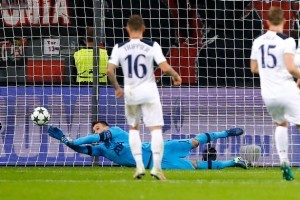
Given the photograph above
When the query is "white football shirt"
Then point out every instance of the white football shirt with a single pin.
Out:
(136, 57)
(268, 50)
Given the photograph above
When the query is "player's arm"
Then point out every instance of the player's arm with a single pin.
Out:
(111, 66)
(289, 58)
(164, 66)
(57, 133)
(253, 58)
(89, 139)
(254, 66)
(87, 149)
(290, 65)
(105, 136)
(167, 69)
(112, 76)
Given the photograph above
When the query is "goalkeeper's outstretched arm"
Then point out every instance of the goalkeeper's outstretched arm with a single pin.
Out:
(105, 136)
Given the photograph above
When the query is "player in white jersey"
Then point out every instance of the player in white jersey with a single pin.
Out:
(272, 57)
(136, 57)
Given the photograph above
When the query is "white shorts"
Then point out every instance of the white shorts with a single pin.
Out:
(284, 109)
(151, 112)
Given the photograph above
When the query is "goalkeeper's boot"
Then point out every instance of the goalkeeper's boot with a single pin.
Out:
(287, 172)
(158, 174)
(139, 173)
(235, 131)
(239, 162)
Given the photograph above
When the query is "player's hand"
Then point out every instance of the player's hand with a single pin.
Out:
(177, 80)
(119, 93)
(298, 83)
(55, 132)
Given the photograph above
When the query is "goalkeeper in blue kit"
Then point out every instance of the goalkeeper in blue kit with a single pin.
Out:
(113, 144)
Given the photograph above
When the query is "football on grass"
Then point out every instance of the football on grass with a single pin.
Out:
(40, 116)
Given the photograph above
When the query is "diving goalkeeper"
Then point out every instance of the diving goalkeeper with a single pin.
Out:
(113, 145)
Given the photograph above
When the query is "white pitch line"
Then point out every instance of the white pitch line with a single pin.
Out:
(259, 182)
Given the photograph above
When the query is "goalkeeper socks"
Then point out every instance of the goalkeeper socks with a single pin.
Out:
(157, 147)
(89, 139)
(136, 147)
(281, 140)
(208, 137)
(214, 164)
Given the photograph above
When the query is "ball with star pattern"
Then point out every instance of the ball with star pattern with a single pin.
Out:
(40, 116)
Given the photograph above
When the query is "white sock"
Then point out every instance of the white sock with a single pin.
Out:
(136, 147)
(157, 147)
(281, 140)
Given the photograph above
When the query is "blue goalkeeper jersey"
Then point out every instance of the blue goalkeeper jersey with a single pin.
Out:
(116, 148)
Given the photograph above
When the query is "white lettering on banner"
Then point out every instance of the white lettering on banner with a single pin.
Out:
(3, 114)
(26, 142)
(51, 46)
(61, 11)
(38, 13)
(46, 12)
(30, 16)
(11, 17)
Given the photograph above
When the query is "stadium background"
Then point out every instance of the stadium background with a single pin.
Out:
(208, 42)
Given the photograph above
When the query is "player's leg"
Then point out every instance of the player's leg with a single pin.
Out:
(178, 148)
(153, 119)
(237, 162)
(281, 141)
(133, 115)
(292, 114)
(203, 138)
(175, 150)
(278, 109)
(157, 148)
(172, 162)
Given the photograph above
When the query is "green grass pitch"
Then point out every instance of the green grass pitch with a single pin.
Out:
(50, 183)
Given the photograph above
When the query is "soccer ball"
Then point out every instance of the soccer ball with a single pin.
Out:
(40, 116)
